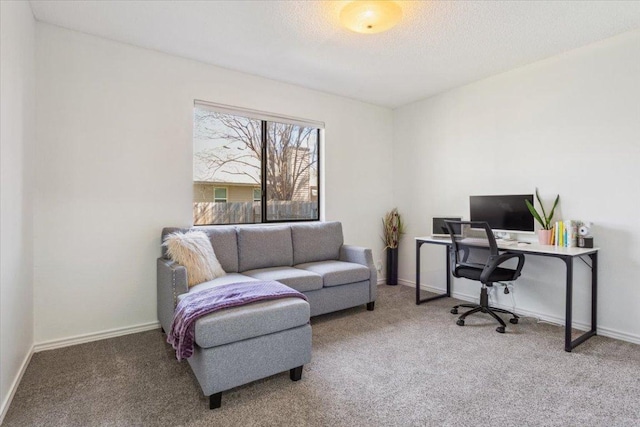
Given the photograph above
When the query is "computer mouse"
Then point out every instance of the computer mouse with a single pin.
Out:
(523, 244)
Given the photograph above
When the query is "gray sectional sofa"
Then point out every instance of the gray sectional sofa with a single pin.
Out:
(242, 344)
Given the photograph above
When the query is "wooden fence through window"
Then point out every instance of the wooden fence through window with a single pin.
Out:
(249, 212)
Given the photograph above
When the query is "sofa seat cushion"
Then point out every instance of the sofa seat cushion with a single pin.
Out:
(235, 324)
(335, 273)
(224, 280)
(300, 280)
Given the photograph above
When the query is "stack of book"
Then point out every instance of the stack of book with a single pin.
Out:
(565, 233)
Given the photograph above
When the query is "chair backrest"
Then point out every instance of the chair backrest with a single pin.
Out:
(462, 243)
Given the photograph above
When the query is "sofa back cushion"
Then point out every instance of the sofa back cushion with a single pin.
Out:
(223, 240)
(316, 241)
(261, 247)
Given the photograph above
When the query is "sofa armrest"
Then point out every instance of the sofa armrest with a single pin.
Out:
(171, 281)
(363, 256)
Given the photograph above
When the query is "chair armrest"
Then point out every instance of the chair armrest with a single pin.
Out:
(495, 261)
(171, 282)
(362, 256)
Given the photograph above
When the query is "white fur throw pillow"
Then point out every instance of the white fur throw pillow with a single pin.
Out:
(193, 250)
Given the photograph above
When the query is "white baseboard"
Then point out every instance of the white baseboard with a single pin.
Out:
(112, 333)
(94, 336)
(14, 385)
(622, 336)
(521, 312)
(602, 331)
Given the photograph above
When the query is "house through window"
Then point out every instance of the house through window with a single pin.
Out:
(252, 167)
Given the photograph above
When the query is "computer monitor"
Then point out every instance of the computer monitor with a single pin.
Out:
(508, 213)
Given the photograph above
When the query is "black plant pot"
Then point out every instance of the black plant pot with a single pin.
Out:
(392, 266)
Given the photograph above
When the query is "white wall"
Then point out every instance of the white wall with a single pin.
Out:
(17, 115)
(114, 166)
(569, 125)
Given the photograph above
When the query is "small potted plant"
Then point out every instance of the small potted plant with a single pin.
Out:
(392, 230)
(544, 235)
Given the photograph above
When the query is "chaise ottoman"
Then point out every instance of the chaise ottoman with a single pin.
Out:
(239, 345)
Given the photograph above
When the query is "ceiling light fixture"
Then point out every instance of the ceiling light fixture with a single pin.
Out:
(370, 17)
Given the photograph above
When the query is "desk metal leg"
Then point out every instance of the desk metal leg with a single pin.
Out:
(418, 246)
(448, 271)
(447, 293)
(569, 304)
(568, 344)
(594, 292)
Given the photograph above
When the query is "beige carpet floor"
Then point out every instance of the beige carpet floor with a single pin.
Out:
(400, 365)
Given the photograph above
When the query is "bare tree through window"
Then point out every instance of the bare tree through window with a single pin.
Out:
(229, 150)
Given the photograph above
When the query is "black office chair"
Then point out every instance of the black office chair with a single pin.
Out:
(488, 272)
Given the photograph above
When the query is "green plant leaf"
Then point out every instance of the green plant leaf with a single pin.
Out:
(544, 214)
(553, 209)
(535, 214)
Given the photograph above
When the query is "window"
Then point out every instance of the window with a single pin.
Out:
(257, 195)
(219, 194)
(244, 155)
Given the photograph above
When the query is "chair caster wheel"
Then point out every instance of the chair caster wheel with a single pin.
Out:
(460, 322)
(500, 329)
(514, 320)
(454, 311)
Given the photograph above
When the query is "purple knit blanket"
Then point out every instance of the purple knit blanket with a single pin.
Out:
(199, 304)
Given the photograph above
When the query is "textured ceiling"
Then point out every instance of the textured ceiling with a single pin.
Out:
(438, 45)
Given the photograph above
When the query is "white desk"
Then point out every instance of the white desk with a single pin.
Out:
(565, 254)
